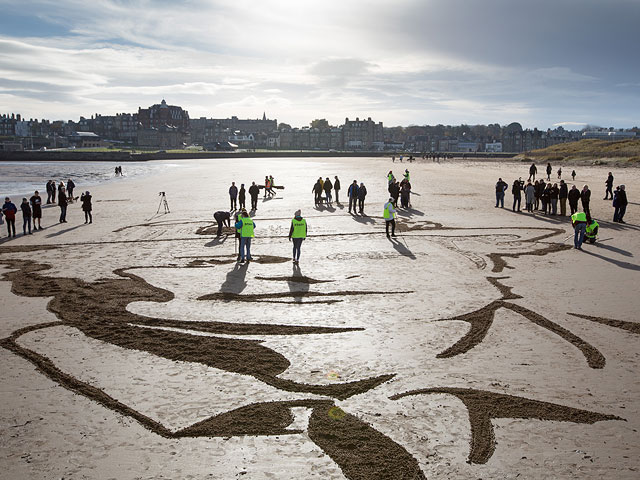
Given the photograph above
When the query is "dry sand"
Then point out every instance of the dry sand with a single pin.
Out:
(478, 344)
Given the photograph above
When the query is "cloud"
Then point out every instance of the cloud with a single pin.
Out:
(407, 61)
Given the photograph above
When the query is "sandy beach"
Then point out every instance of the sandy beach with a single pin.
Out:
(478, 344)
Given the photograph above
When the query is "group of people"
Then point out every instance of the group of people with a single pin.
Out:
(118, 171)
(238, 196)
(546, 196)
(326, 186)
(400, 189)
(32, 208)
(533, 170)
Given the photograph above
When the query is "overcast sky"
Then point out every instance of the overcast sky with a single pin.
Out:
(541, 63)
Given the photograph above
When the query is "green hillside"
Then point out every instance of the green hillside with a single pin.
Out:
(588, 151)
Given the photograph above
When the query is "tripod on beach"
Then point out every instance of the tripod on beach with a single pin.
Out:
(163, 202)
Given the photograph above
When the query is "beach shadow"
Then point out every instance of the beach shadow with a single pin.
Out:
(362, 218)
(618, 226)
(613, 249)
(618, 263)
(217, 241)
(65, 231)
(409, 212)
(298, 289)
(235, 282)
(401, 249)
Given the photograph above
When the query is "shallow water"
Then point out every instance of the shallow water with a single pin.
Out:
(22, 178)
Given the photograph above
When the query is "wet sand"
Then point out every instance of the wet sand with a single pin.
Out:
(477, 344)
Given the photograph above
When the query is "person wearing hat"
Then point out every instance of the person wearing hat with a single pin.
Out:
(389, 215)
(85, 198)
(245, 226)
(297, 233)
(36, 208)
(406, 175)
(26, 215)
(9, 210)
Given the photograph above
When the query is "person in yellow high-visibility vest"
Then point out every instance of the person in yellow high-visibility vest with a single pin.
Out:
(389, 214)
(245, 226)
(297, 233)
(579, 222)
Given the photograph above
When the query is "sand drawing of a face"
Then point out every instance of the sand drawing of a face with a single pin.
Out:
(109, 310)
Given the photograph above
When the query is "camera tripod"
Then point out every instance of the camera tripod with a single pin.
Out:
(163, 202)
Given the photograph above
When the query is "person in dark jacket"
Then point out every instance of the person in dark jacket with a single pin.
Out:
(254, 192)
(609, 184)
(405, 195)
(36, 210)
(554, 192)
(516, 190)
(621, 205)
(585, 198)
(549, 170)
(532, 173)
(233, 195)
(362, 194)
(9, 210)
(500, 188)
(573, 196)
(317, 192)
(242, 197)
(352, 193)
(85, 198)
(26, 216)
(336, 187)
(49, 192)
(394, 189)
(222, 218)
(62, 203)
(545, 198)
(70, 187)
(328, 186)
(562, 195)
(573, 175)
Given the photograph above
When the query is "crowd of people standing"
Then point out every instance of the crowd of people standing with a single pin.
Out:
(31, 208)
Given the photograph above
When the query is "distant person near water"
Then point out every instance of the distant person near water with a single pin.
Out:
(242, 197)
(9, 210)
(233, 196)
(26, 216)
(254, 192)
(336, 187)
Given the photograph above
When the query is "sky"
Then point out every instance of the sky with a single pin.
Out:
(403, 62)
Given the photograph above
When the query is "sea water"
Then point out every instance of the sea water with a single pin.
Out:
(23, 178)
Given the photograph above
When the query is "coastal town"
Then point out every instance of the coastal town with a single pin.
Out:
(164, 126)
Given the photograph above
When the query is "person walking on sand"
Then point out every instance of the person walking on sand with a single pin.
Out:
(529, 196)
(26, 216)
(389, 215)
(579, 222)
(500, 189)
(516, 190)
(9, 210)
(233, 196)
(559, 173)
(246, 225)
(336, 187)
(62, 203)
(267, 186)
(390, 178)
(36, 209)
(563, 193)
(242, 197)
(609, 184)
(85, 198)
(328, 186)
(585, 198)
(352, 193)
(254, 192)
(405, 193)
(362, 194)
(222, 218)
(271, 185)
(532, 172)
(573, 175)
(549, 170)
(53, 191)
(297, 233)
(573, 197)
